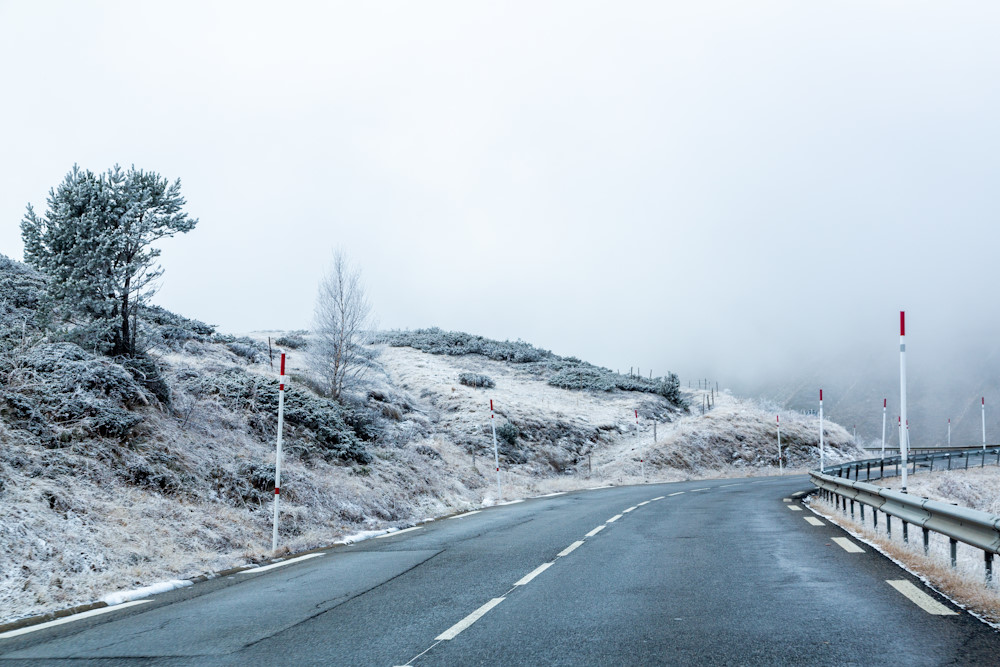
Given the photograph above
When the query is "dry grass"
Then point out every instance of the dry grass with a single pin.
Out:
(964, 584)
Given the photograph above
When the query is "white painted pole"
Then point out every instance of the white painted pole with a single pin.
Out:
(884, 402)
(822, 465)
(496, 453)
(642, 463)
(904, 424)
(984, 423)
(777, 420)
(277, 458)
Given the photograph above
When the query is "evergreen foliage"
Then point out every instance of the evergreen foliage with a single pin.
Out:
(94, 244)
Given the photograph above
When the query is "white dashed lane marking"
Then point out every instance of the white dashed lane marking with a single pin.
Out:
(614, 518)
(921, 599)
(644, 502)
(676, 494)
(813, 521)
(534, 573)
(630, 509)
(794, 508)
(568, 550)
(595, 531)
(848, 546)
(454, 630)
(659, 498)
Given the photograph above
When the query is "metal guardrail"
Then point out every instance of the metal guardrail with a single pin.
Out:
(942, 460)
(960, 524)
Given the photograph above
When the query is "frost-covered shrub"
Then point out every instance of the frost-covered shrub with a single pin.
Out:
(429, 452)
(320, 424)
(477, 380)
(251, 483)
(146, 372)
(252, 350)
(508, 432)
(583, 377)
(294, 341)
(456, 343)
(162, 317)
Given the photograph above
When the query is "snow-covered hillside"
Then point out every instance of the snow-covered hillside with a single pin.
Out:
(117, 473)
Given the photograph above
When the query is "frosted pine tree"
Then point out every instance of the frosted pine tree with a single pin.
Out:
(94, 243)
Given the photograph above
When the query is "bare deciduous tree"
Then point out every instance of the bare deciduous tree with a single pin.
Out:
(343, 317)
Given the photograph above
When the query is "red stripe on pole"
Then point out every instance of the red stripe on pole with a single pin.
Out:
(821, 394)
(277, 490)
(884, 401)
(491, 405)
(282, 363)
(902, 323)
(281, 387)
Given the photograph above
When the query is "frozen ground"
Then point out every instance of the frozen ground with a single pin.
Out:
(93, 518)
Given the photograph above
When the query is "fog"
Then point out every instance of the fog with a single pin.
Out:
(749, 192)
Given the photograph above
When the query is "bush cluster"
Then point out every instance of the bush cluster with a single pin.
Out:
(456, 343)
(476, 380)
(321, 424)
(563, 372)
(294, 341)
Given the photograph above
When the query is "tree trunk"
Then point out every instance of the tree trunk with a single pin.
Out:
(124, 343)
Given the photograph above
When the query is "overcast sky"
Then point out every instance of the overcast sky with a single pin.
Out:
(729, 189)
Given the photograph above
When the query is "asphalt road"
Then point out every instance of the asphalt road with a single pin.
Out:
(713, 572)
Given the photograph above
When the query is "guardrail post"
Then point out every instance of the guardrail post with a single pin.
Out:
(953, 544)
(881, 468)
(888, 525)
(852, 508)
(927, 540)
(949, 461)
(932, 463)
(875, 518)
(868, 474)
(966, 461)
(861, 506)
(989, 567)
(906, 533)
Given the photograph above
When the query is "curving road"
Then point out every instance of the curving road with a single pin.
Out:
(711, 572)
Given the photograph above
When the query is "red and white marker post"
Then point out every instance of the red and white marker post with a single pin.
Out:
(642, 463)
(904, 424)
(277, 458)
(822, 466)
(777, 420)
(884, 403)
(496, 453)
(984, 424)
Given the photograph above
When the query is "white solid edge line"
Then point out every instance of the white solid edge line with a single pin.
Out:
(552, 495)
(614, 518)
(595, 531)
(534, 573)
(813, 520)
(676, 494)
(848, 546)
(454, 630)
(921, 599)
(568, 550)
(398, 532)
(786, 500)
(705, 489)
(630, 509)
(511, 502)
(645, 502)
(281, 564)
(462, 516)
(794, 508)
(70, 619)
